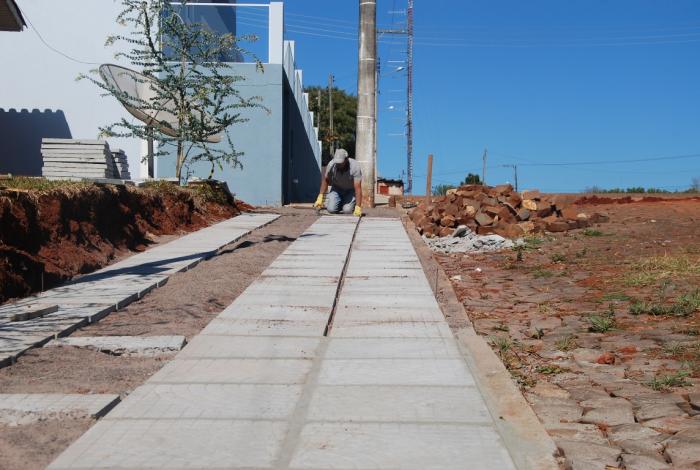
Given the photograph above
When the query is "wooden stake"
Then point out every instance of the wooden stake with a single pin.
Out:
(428, 185)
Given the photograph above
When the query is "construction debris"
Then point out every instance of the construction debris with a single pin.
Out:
(501, 211)
(463, 240)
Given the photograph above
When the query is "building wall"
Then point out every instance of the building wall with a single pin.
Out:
(259, 182)
(20, 138)
(301, 169)
(34, 77)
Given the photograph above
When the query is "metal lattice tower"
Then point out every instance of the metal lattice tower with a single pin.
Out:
(408, 32)
(409, 100)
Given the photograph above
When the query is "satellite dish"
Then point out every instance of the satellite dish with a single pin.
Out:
(142, 89)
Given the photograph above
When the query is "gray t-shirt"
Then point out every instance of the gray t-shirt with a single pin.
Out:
(344, 180)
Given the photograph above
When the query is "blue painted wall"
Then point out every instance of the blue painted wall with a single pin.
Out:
(301, 170)
(279, 165)
(259, 182)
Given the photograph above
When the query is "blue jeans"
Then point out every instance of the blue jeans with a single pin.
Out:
(341, 200)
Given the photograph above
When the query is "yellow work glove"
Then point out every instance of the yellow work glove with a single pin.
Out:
(319, 201)
(358, 211)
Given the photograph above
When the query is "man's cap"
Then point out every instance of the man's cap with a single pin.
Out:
(340, 156)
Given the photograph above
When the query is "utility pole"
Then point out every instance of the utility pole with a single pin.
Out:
(318, 118)
(366, 89)
(483, 168)
(429, 182)
(331, 131)
(409, 98)
(515, 174)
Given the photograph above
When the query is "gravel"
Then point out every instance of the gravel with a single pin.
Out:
(463, 240)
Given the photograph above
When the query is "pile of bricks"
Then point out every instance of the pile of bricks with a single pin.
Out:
(499, 210)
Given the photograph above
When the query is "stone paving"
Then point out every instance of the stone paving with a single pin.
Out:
(24, 408)
(324, 362)
(95, 295)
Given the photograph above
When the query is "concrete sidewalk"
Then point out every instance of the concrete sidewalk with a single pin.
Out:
(271, 383)
(95, 295)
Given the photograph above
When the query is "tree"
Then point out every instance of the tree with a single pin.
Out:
(191, 79)
(441, 189)
(344, 118)
(472, 179)
(695, 185)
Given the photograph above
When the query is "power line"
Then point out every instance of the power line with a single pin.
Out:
(606, 162)
(41, 38)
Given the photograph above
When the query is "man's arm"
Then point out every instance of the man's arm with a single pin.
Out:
(358, 193)
(322, 190)
(324, 184)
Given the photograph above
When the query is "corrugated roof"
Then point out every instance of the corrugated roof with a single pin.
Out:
(10, 16)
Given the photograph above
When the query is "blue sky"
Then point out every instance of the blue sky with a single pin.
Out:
(537, 82)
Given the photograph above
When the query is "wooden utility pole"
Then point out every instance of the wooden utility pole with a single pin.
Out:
(515, 174)
(318, 118)
(429, 182)
(483, 168)
(331, 132)
(366, 87)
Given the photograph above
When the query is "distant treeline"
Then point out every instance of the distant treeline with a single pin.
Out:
(639, 190)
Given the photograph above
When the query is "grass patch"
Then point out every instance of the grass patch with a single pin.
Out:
(502, 343)
(640, 279)
(523, 380)
(537, 334)
(675, 349)
(26, 183)
(542, 273)
(658, 268)
(590, 232)
(601, 323)
(663, 382)
(684, 305)
(531, 242)
(558, 258)
(551, 370)
(616, 297)
(567, 343)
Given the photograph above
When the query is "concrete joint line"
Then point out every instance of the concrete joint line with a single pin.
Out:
(301, 411)
(341, 281)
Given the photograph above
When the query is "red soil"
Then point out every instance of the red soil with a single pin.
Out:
(48, 237)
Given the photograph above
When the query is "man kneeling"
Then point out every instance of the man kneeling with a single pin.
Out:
(344, 176)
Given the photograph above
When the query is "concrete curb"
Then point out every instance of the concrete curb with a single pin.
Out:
(526, 439)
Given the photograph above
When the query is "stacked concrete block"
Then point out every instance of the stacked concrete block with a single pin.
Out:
(122, 164)
(77, 159)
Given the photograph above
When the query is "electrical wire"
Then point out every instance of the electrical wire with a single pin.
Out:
(49, 46)
(350, 33)
(607, 162)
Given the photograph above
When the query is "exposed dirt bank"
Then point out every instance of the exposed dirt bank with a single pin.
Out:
(183, 306)
(50, 232)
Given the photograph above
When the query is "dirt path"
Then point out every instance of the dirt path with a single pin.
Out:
(600, 329)
(183, 306)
